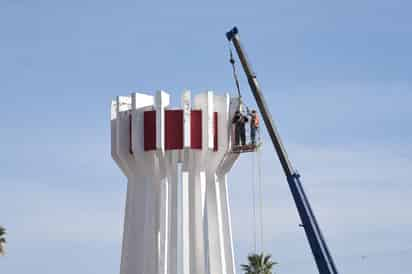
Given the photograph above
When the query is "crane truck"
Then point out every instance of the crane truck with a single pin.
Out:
(317, 243)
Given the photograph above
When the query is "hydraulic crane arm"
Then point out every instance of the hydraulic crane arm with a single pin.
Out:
(320, 251)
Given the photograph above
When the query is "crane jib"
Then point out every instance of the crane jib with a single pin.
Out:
(317, 243)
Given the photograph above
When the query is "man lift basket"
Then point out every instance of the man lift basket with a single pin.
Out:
(240, 142)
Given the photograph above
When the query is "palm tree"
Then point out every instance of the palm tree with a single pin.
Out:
(2, 239)
(258, 264)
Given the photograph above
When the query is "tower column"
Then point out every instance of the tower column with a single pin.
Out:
(184, 222)
(163, 225)
(133, 251)
(197, 218)
(216, 259)
(172, 179)
(151, 227)
(226, 225)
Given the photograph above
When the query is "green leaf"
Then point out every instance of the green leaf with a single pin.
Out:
(258, 264)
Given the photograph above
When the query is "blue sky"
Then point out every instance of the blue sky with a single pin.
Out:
(337, 79)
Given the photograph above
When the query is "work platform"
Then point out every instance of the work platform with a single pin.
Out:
(246, 148)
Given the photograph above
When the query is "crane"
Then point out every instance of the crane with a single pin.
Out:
(320, 250)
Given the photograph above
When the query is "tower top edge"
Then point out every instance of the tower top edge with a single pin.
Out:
(138, 100)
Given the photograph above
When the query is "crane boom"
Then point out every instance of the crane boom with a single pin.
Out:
(320, 251)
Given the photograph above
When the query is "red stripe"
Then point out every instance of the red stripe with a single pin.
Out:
(196, 129)
(215, 132)
(149, 127)
(174, 129)
(130, 134)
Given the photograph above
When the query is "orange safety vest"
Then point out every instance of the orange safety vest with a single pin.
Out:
(255, 120)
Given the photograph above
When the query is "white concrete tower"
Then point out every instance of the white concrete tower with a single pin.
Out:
(177, 218)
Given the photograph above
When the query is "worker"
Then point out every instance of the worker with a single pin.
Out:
(254, 125)
(240, 133)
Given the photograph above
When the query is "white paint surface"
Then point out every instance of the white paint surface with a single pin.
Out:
(162, 100)
(187, 107)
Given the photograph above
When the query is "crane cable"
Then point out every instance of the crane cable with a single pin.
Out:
(260, 198)
(256, 175)
(257, 200)
(232, 61)
(254, 223)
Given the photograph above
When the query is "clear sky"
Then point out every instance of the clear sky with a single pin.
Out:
(336, 74)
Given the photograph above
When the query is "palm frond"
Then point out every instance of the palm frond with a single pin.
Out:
(2, 231)
(258, 264)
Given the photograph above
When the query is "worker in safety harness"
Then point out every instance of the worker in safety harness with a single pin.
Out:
(239, 120)
(254, 125)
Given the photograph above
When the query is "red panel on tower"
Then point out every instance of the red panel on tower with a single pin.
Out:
(149, 129)
(215, 132)
(130, 134)
(174, 129)
(196, 129)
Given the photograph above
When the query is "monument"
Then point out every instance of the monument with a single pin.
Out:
(176, 160)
